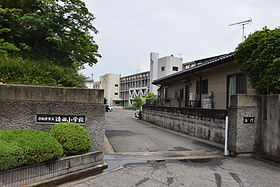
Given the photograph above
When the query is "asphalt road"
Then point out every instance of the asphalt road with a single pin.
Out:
(129, 134)
(150, 156)
(217, 172)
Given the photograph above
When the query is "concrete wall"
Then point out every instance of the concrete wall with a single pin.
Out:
(206, 128)
(168, 62)
(20, 104)
(271, 126)
(111, 85)
(30, 174)
(153, 71)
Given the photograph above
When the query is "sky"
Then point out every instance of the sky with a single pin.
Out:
(191, 29)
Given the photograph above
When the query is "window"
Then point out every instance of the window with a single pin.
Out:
(166, 93)
(236, 84)
(204, 89)
(175, 68)
(162, 68)
(179, 94)
(116, 85)
(116, 93)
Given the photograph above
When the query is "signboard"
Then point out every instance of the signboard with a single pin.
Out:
(46, 118)
(249, 119)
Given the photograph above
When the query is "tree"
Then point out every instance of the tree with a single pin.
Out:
(151, 96)
(259, 58)
(54, 29)
(137, 102)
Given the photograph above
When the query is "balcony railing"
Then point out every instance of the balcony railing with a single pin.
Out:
(199, 113)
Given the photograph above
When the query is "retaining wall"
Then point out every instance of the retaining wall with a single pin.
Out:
(206, 128)
(20, 105)
(30, 174)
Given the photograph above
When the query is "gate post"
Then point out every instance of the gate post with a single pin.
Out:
(244, 123)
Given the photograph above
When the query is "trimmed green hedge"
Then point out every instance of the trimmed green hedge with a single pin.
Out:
(26, 146)
(11, 155)
(73, 138)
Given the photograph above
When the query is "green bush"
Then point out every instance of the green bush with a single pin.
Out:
(11, 155)
(73, 138)
(130, 107)
(26, 146)
(43, 72)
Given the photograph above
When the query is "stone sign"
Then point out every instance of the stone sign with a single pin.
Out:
(45, 118)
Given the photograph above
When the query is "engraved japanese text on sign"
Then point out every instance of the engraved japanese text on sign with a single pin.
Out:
(45, 118)
(249, 120)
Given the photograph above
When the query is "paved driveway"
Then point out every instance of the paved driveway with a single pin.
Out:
(150, 156)
(129, 134)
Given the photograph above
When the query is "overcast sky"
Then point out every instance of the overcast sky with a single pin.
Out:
(193, 29)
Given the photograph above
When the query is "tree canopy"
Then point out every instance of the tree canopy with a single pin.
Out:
(259, 57)
(59, 30)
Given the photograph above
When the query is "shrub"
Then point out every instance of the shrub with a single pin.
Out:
(27, 146)
(130, 107)
(73, 138)
(11, 155)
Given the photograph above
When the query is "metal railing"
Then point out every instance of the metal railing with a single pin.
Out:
(199, 113)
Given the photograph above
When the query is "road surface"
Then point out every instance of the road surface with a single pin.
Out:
(129, 134)
(150, 156)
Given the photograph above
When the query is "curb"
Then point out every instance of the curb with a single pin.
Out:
(55, 181)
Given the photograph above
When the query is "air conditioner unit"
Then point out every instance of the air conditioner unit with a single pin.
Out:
(207, 103)
(192, 96)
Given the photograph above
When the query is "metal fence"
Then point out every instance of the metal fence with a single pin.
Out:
(199, 113)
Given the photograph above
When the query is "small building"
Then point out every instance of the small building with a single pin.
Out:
(204, 83)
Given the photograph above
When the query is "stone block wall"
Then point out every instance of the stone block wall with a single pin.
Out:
(19, 106)
(207, 128)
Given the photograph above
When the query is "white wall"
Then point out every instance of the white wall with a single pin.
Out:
(168, 63)
(153, 71)
(108, 83)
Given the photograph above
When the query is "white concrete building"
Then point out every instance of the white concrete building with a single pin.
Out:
(120, 90)
(160, 67)
(169, 65)
(89, 83)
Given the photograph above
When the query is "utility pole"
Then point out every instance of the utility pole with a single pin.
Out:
(242, 23)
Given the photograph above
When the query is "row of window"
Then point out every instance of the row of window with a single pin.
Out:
(140, 83)
(140, 76)
(236, 84)
(179, 94)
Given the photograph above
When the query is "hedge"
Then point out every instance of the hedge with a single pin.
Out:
(11, 155)
(73, 138)
(26, 146)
